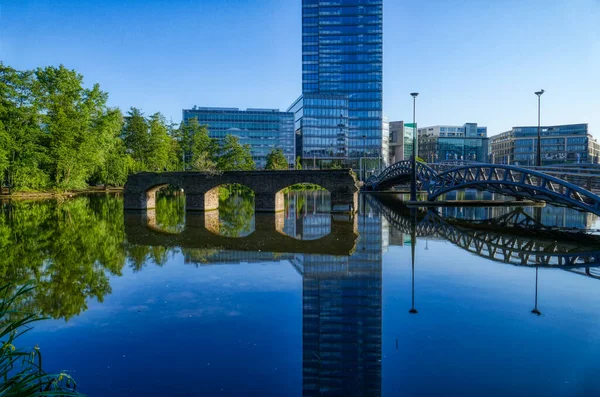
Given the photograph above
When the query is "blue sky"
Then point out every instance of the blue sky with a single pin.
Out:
(476, 61)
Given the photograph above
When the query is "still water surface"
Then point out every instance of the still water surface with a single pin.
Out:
(306, 304)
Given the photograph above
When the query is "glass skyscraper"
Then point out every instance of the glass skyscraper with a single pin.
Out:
(262, 129)
(339, 114)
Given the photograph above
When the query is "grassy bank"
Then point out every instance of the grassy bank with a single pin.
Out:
(30, 194)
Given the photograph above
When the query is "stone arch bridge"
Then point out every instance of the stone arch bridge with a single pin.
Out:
(202, 232)
(202, 193)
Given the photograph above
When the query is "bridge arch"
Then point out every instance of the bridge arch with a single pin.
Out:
(496, 178)
(508, 241)
(516, 182)
(399, 173)
(266, 185)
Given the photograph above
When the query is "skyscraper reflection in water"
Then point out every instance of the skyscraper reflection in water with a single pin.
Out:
(342, 317)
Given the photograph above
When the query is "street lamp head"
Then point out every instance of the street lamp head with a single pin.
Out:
(414, 94)
(540, 92)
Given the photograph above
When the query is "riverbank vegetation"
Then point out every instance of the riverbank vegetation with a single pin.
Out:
(21, 371)
(56, 134)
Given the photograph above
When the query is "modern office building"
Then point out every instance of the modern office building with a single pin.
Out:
(560, 144)
(339, 114)
(262, 129)
(445, 142)
(400, 141)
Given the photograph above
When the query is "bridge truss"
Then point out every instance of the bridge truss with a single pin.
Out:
(496, 178)
(509, 239)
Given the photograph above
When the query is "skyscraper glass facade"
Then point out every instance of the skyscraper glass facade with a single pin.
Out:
(342, 80)
(342, 317)
(262, 129)
(445, 143)
(560, 144)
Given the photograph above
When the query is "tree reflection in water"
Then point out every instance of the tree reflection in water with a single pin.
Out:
(68, 249)
(236, 213)
(170, 210)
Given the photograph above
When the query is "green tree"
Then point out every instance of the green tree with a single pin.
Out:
(22, 154)
(234, 156)
(298, 163)
(160, 145)
(276, 160)
(118, 165)
(135, 136)
(75, 135)
(197, 148)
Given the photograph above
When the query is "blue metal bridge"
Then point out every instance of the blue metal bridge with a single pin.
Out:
(514, 238)
(509, 180)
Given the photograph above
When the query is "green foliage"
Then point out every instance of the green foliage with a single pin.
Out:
(300, 187)
(276, 160)
(55, 133)
(233, 156)
(298, 163)
(197, 148)
(24, 152)
(170, 211)
(225, 191)
(73, 124)
(68, 250)
(236, 213)
(21, 372)
(160, 147)
(136, 137)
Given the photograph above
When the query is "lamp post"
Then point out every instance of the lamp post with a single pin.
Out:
(539, 142)
(413, 180)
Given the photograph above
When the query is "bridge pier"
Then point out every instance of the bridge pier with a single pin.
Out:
(344, 202)
(139, 201)
(269, 202)
(200, 201)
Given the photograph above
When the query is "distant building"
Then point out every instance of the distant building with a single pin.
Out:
(339, 115)
(400, 141)
(385, 142)
(560, 144)
(262, 129)
(447, 142)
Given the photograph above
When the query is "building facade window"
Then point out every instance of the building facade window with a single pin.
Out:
(262, 129)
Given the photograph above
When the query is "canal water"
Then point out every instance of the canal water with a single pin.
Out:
(393, 301)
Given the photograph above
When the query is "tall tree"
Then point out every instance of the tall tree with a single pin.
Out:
(234, 156)
(196, 145)
(276, 160)
(22, 154)
(160, 148)
(71, 116)
(135, 135)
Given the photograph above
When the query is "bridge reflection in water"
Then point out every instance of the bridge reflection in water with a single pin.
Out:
(341, 283)
(342, 287)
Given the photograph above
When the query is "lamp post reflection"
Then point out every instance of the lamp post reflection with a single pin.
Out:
(535, 308)
(413, 242)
